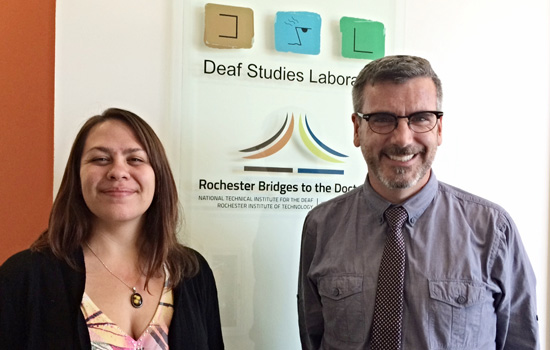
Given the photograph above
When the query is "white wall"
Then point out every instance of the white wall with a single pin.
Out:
(111, 54)
(492, 56)
(493, 59)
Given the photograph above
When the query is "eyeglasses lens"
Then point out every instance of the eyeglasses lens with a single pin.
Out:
(384, 123)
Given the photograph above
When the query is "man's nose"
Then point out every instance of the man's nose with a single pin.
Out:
(402, 135)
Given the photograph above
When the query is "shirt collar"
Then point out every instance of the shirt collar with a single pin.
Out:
(415, 206)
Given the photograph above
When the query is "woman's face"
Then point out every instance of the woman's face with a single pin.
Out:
(118, 182)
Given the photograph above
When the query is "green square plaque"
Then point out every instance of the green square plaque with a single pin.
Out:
(362, 38)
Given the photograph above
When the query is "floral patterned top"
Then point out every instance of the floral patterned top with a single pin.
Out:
(106, 335)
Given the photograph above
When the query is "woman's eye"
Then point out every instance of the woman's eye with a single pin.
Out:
(100, 159)
(136, 160)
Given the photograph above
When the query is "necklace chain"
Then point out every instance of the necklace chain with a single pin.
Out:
(136, 299)
(108, 269)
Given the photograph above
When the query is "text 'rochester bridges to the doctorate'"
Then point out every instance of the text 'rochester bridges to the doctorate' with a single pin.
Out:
(274, 187)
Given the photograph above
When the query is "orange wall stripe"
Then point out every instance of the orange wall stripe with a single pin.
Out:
(27, 60)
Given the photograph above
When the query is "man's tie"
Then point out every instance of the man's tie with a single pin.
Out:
(388, 305)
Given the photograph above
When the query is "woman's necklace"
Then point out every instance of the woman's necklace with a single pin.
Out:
(135, 299)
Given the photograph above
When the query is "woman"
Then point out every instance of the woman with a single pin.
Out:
(108, 273)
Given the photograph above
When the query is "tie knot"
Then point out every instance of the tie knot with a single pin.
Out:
(396, 216)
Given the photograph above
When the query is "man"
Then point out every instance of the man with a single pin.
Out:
(452, 274)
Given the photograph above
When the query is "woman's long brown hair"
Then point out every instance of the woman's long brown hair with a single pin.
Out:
(70, 220)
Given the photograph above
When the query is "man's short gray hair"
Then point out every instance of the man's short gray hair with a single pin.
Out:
(396, 69)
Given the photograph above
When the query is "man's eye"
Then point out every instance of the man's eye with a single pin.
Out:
(418, 119)
(383, 118)
(422, 117)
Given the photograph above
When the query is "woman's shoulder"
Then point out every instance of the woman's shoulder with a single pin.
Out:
(24, 261)
(202, 263)
(34, 262)
(200, 258)
(203, 272)
(17, 270)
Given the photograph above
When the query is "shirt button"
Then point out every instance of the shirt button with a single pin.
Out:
(461, 300)
(336, 292)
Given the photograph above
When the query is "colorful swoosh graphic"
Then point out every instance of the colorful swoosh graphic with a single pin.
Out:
(314, 149)
(316, 146)
(277, 146)
(309, 139)
(326, 148)
(273, 138)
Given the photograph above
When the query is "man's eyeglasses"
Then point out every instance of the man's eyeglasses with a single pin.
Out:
(384, 123)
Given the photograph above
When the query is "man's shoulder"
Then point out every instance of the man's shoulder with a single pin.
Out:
(341, 203)
(456, 193)
(474, 205)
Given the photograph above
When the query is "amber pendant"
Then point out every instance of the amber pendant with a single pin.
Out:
(135, 299)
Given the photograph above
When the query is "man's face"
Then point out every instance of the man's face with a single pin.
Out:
(399, 163)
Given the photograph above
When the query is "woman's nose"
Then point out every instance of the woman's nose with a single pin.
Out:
(118, 170)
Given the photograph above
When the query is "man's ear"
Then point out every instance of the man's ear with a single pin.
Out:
(440, 131)
(356, 120)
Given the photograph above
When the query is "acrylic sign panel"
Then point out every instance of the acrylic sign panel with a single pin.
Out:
(266, 135)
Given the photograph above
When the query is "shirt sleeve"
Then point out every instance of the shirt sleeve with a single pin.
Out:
(310, 314)
(517, 321)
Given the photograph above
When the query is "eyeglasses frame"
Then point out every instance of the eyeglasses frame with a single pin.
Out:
(367, 116)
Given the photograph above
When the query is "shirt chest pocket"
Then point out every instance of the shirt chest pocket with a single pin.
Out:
(458, 309)
(343, 307)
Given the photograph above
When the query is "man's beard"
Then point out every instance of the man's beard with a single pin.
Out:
(401, 177)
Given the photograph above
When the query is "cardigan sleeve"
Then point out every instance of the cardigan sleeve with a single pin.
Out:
(215, 340)
(40, 303)
(14, 282)
(196, 321)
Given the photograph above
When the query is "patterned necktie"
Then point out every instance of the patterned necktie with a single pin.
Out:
(388, 305)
